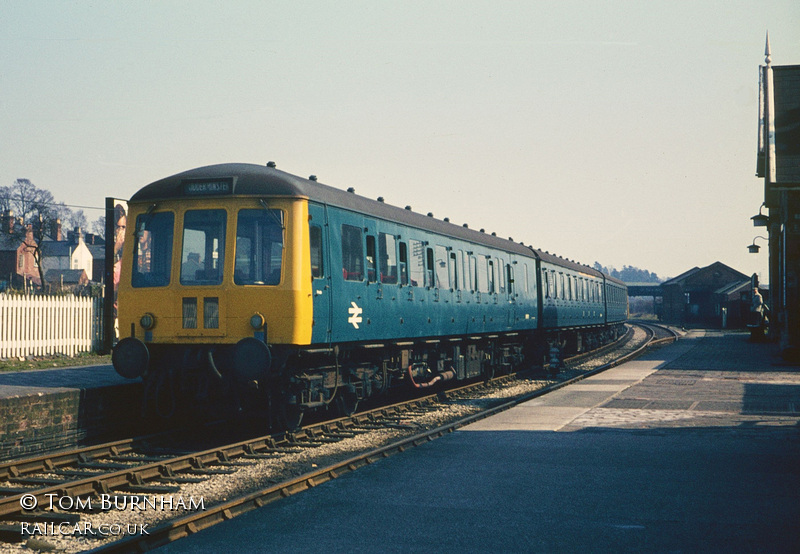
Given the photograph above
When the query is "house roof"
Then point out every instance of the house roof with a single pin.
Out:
(70, 276)
(8, 242)
(57, 248)
(98, 251)
(684, 276)
(681, 277)
(734, 287)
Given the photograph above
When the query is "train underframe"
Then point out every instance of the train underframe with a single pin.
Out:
(187, 380)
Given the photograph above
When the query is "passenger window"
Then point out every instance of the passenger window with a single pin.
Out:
(527, 278)
(352, 253)
(454, 270)
(416, 267)
(501, 279)
(483, 273)
(463, 264)
(403, 264)
(510, 278)
(372, 273)
(388, 258)
(473, 274)
(152, 256)
(259, 247)
(491, 277)
(546, 284)
(442, 272)
(315, 238)
(203, 255)
(429, 266)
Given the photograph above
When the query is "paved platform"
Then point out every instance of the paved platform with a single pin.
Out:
(60, 407)
(695, 447)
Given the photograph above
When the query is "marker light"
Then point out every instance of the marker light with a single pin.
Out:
(148, 321)
(257, 321)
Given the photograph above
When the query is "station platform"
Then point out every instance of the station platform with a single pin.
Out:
(62, 407)
(694, 447)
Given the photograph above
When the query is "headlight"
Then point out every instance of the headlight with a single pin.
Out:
(148, 321)
(257, 321)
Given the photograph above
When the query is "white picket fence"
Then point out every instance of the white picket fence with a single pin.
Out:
(47, 325)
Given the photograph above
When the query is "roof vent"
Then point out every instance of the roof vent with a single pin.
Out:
(447, 219)
(465, 226)
(511, 239)
(430, 214)
(408, 208)
(380, 199)
(312, 177)
(351, 189)
(494, 234)
(483, 230)
(271, 164)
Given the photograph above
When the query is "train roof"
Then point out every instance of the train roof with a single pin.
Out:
(242, 179)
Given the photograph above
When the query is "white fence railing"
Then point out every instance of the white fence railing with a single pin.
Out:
(47, 325)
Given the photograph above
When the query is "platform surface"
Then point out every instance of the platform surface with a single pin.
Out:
(693, 448)
(44, 381)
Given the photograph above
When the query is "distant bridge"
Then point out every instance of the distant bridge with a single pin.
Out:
(644, 289)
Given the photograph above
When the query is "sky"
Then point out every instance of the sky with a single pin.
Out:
(618, 132)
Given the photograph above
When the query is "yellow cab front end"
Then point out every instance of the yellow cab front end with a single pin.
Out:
(210, 280)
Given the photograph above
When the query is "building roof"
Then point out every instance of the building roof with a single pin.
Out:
(681, 277)
(9, 243)
(694, 271)
(98, 251)
(70, 276)
(736, 286)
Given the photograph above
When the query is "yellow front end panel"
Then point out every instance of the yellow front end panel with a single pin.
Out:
(221, 313)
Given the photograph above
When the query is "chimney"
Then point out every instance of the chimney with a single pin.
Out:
(55, 230)
(7, 222)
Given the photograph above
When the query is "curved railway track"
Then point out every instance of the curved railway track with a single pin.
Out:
(155, 494)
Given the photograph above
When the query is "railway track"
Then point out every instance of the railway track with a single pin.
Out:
(136, 494)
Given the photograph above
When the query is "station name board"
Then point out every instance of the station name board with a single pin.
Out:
(207, 187)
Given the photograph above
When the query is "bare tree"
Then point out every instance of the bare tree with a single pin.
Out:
(99, 226)
(36, 212)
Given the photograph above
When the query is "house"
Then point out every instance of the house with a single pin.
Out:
(697, 296)
(17, 264)
(66, 279)
(67, 254)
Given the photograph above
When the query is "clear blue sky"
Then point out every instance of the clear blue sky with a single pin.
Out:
(619, 132)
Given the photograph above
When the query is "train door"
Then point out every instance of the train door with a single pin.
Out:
(511, 298)
(319, 239)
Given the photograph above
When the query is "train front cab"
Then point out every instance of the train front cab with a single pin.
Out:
(199, 275)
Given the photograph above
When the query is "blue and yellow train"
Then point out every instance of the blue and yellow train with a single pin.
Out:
(248, 283)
